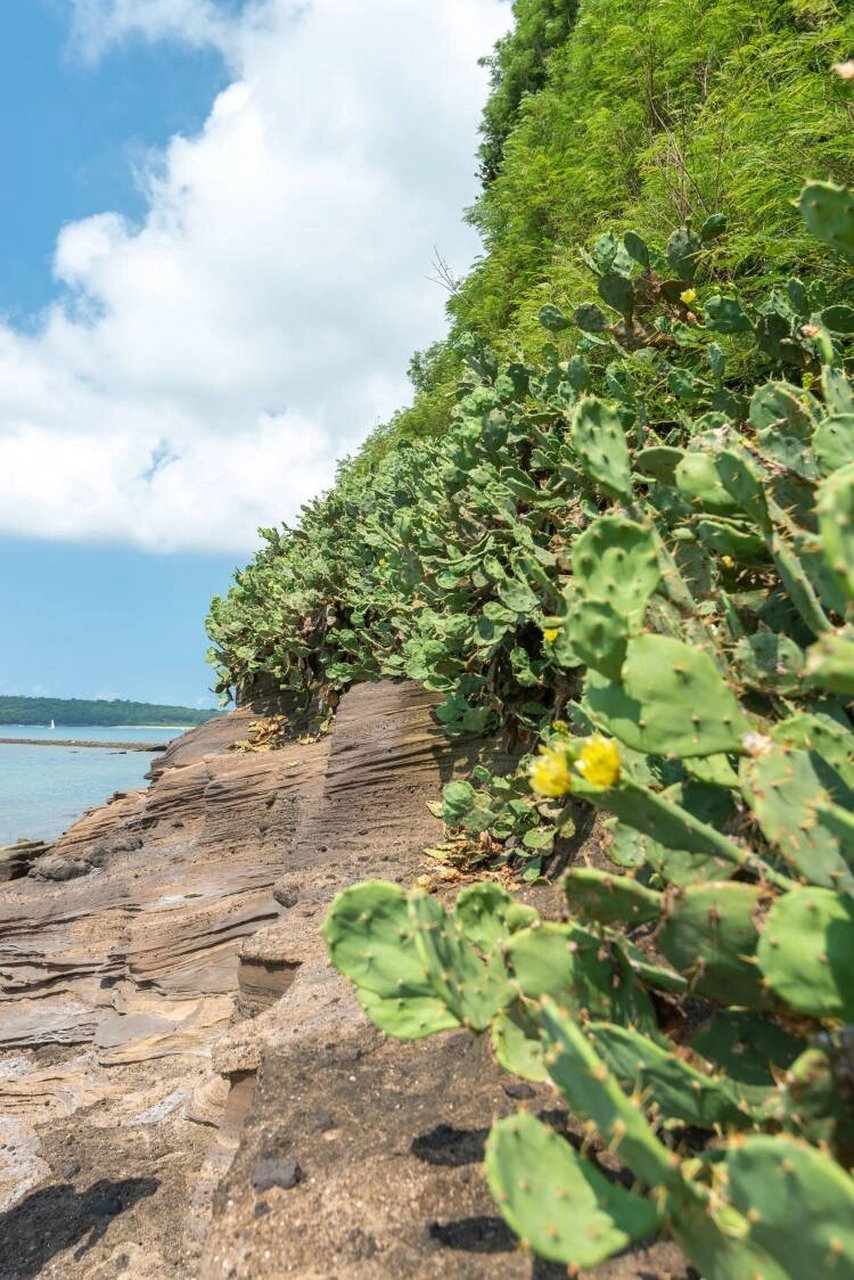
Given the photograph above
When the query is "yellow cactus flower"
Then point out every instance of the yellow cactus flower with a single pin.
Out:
(549, 773)
(550, 635)
(599, 761)
(688, 296)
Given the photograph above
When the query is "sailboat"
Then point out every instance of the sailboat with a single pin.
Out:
(52, 724)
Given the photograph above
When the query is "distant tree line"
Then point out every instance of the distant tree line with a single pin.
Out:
(79, 711)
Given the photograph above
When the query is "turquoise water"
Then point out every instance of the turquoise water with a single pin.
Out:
(44, 789)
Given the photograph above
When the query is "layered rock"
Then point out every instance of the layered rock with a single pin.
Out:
(187, 1088)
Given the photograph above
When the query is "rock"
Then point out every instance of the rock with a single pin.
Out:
(124, 1034)
(284, 1173)
(286, 896)
(519, 1090)
(59, 869)
(16, 860)
(70, 1169)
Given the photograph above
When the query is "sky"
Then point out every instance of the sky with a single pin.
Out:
(215, 252)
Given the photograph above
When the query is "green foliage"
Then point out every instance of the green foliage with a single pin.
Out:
(518, 67)
(658, 116)
(83, 711)
(630, 540)
(698, 726)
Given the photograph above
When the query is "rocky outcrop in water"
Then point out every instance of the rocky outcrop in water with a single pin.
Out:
(186, 1088)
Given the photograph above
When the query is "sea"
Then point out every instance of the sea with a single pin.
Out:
(44, 789)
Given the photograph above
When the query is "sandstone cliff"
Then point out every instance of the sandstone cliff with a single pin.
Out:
(186, 1088)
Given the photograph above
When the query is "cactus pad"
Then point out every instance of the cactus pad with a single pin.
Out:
(580, 970)
(556, 1201)
(599, 441)
(709, 933)
(407, 1017)
(370, 940)
(699, 483)
(609, 899)
(769, 662)
(615, 561)
(830, 662)
(473, 991)
(597, 636)
(675, 1089)
(820, 733)
(516, 1044)
(682, 250)
(731, 538)
(788, 793)
(486, 914)
(589, 1087)
(833, 442)
(806, 952)
(747, 1046)
(673, 701)
(835, 506)
(799, 1203)
(828, 211)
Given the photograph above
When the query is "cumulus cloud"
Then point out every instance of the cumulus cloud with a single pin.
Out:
(98, 24)
(199, 373)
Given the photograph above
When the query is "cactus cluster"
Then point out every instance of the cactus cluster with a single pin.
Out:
(633, 553)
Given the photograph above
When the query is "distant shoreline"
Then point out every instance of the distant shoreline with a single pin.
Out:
(80, 742)
(74, 725)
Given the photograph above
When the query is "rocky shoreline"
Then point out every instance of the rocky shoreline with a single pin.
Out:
(187, 1089)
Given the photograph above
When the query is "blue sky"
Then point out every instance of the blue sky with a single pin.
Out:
(92, 620)
(215, 254)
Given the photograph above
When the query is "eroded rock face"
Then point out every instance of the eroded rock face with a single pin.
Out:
(113, 986)
(187, 1088)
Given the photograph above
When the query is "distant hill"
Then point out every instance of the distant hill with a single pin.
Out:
(80, 711)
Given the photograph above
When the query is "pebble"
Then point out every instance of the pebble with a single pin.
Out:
(284, 1173)
(518, 1090)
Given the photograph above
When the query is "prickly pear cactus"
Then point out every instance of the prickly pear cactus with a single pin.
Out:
(806, 952)
(615, 562)
(611, 899)
(637, 557)
(558, 1203)
(828, 211)
(599, 441)
(799, 1204)
(710, 933)
(671, 700)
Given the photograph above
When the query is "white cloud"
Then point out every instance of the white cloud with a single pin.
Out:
(98, 24)
(200, 373)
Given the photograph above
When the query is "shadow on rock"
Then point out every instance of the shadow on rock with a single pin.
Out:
(55, 1218)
